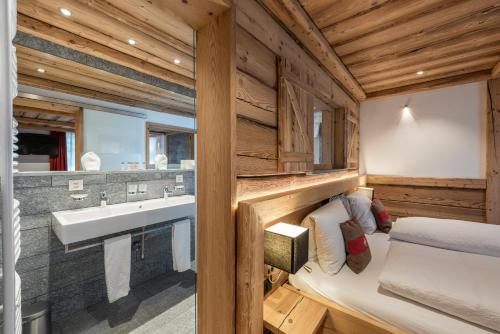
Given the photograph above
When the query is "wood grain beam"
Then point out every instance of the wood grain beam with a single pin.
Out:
(390, 13)
(398, 42)
(428, 85)
(439, 182)
(451, 47)
(44, 122)
(424, 29)
(216, 181)
(36, 82)
(298, 22)
(40, 104)
(70, 40)
(495, 72)
(42, 111)
(493, 153)
(437, 73)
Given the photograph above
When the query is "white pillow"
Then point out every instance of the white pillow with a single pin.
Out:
(328, 236)
(361, 212)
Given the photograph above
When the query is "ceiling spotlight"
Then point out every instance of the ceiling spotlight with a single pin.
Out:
(65, 12)
(177, 61)
(132, 41)
(41, 70)
(420, 72)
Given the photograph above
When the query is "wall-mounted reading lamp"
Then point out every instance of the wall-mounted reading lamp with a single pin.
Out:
(286, 247)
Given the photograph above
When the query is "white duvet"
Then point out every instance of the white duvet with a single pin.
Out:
(451, 234)
(461, 284)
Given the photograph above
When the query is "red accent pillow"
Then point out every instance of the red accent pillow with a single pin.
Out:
(356, 246)
(382, 217)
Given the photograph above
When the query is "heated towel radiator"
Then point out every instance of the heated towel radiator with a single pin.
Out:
(11, 233)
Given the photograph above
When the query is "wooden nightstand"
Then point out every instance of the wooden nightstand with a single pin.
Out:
(286, 311)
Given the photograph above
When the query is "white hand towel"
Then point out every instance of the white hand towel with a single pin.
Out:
(181, 245)
(161, 162)
(91, 162)
(117, 254)
(187, 164)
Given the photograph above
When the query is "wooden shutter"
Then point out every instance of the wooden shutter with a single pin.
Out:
(352, 134)
(295, 119)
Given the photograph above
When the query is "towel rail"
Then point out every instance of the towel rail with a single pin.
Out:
(67, 248)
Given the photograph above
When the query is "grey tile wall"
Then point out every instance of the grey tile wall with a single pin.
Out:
(74, 281)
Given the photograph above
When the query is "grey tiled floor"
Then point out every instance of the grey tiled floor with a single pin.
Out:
(163, 305)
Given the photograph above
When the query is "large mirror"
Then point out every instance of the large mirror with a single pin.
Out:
(118, 95)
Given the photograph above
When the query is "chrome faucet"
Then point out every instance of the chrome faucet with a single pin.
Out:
(167, 192)
(104, 198)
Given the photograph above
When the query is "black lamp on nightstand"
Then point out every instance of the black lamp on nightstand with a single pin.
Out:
(286, 247)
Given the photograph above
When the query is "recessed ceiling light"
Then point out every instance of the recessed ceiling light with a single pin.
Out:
(420, 72)
(132, 41)
(177, 61)
(66, 12)
(41, 70)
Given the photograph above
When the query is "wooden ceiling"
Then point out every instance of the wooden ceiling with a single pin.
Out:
(384, 43)
(102, 29)
(43, 115)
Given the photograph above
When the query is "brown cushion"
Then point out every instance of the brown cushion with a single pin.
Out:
(384, 222)
(356, 246)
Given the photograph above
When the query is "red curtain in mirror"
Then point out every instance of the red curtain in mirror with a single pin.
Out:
(60, 162)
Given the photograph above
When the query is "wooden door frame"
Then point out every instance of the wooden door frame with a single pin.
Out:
(158, 127)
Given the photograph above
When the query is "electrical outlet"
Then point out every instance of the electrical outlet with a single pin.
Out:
(75, 185)
(179, 178)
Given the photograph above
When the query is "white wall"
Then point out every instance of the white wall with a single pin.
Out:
(114, 138)
(443, 136)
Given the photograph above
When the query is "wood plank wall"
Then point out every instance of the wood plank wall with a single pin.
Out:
(259, 41)
(462, 199)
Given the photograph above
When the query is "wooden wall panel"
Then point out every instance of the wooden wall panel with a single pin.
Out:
(493, 153)
(216, 182)
(259, 42)
(256, 140)
(462, 199)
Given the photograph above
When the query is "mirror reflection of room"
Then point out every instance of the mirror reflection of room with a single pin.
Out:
(105, 174)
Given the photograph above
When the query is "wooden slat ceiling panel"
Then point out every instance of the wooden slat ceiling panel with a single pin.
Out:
(44, 114)
(95, 21)
(385, 42)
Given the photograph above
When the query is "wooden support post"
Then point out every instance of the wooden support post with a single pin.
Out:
(216, 182)
(78, 138)
(493, 153)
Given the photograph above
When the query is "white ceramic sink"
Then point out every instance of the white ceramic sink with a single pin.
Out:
(83, 224)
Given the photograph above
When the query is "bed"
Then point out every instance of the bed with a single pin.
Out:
(362, 293)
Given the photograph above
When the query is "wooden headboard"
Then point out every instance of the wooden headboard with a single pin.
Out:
(254, 216)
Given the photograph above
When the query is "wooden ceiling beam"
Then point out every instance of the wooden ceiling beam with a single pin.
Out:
(47, 11)
(416, 30)
(291, 14)
(495, 72)
(59, 36)
(465, 56)
(36, 82)
(45, 122)
(390, 13)
(42, 111)
(60, 69)
(23, 102)
(473, 65)
(428, 85)
(454, 46)
(329, 12)
(472, 24)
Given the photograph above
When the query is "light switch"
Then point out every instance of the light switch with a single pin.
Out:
(75, 185)
(179, 178)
